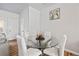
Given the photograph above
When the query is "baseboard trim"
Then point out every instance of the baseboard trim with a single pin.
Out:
(75, 53)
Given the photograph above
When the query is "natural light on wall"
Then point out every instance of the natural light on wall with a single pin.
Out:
(1, 24)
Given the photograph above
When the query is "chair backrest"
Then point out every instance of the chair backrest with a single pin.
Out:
(22, 49)
(62, 46)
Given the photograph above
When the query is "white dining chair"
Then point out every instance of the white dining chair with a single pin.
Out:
(22, 48)
(57, 50)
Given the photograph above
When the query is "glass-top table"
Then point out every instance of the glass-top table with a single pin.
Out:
(40, 39)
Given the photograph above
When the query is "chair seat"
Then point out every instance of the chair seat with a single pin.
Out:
(51, 51)
(33, 52)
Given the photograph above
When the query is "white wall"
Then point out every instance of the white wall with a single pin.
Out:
(24, 20)
(67, 24)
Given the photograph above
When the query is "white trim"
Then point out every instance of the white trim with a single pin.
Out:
(72, 52)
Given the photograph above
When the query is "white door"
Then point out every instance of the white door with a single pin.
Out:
(34, 20)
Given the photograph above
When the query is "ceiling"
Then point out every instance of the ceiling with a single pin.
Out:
(13, 7)
(18, 7)
(40, 6)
